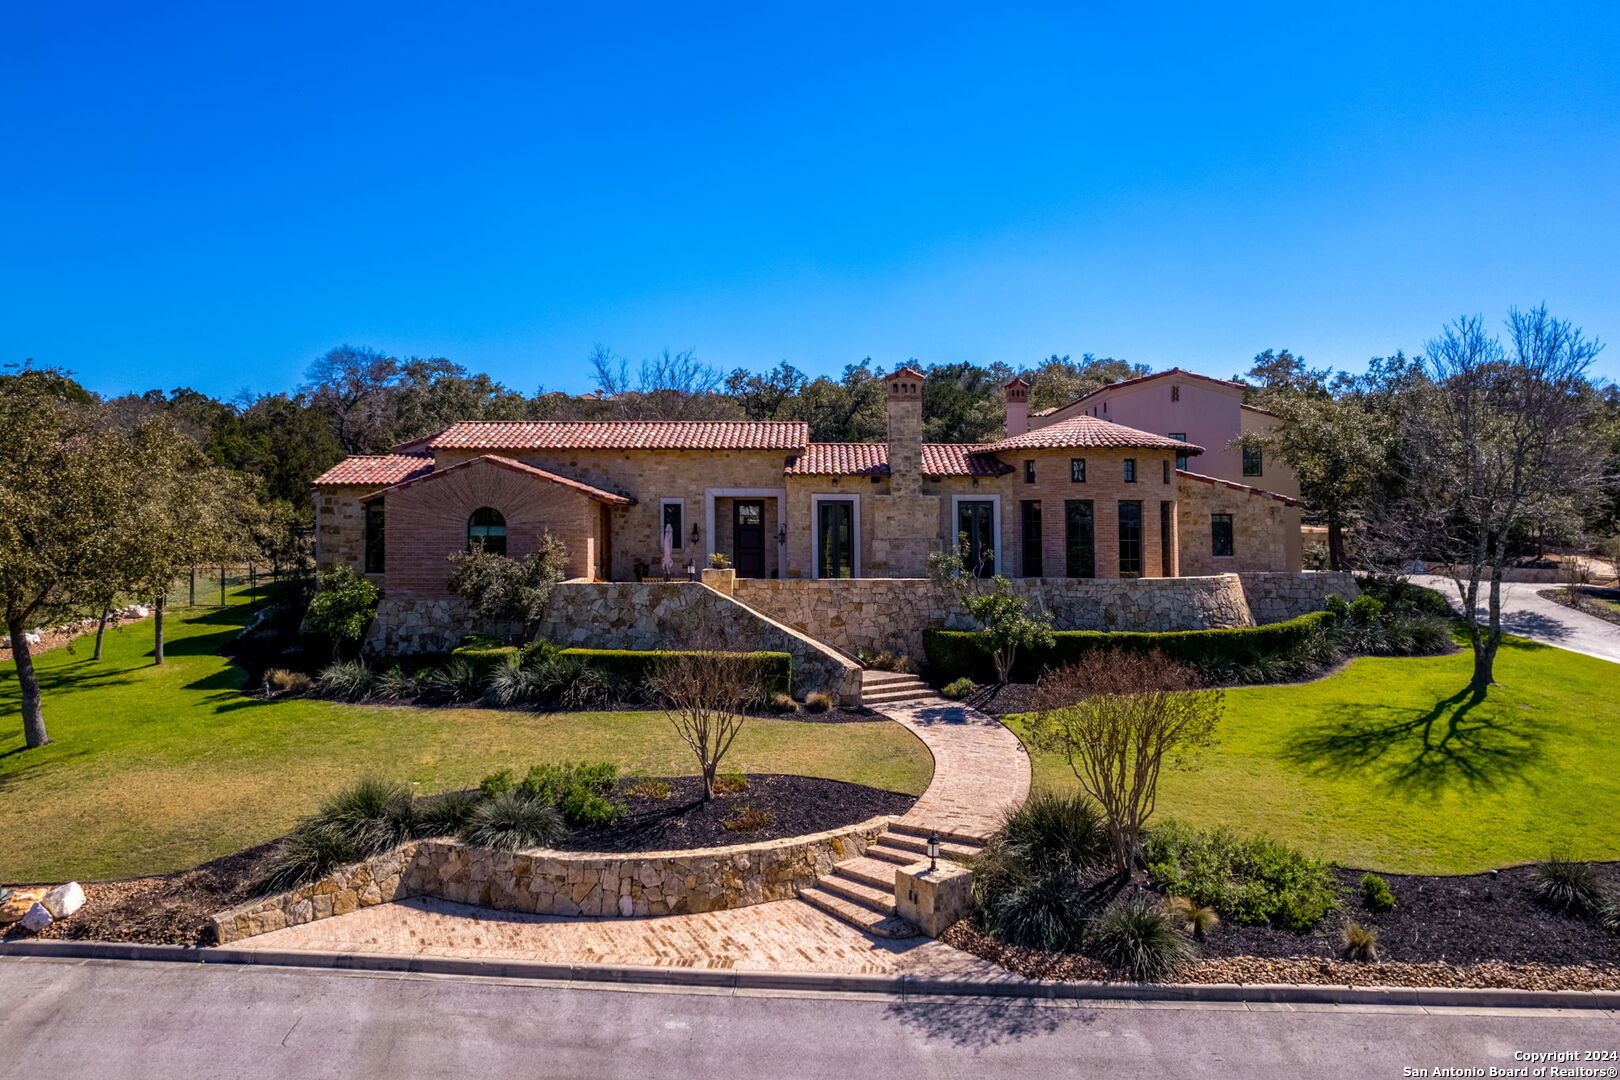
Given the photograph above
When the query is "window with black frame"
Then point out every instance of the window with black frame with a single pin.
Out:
(1031, 510)
(1080, 539)
(672, 520)
(1077, 470)
(486, 531)
(1220, 535)
(1181, 459)
(1252, 464)
(1130, 470)
(1130, 538)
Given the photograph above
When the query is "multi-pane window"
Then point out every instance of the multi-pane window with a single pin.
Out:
(1181, 459)
(1077, 470)
(1031, 513)
(1029, 472)
(1130, 538)
(1251, 461)
(375, 547)
(1220, 534)
(486, 531)
(1079, 536)
(1166, 544)
(1130, 470)
(674, 512)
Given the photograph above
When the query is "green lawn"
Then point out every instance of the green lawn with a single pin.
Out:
(155, 769)
(1390, 765)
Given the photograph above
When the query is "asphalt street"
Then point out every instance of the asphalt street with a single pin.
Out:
(67, 1018)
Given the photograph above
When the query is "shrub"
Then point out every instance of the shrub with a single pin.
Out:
(444, 815)
(1193, 918)
(1375, 894)
(887, 660)
(510, 683)
(1039, 907)
(1417, 635)
(586, 809)
(1252, 881)
(1137, 936)
(719, 560)
(1360, 942)
(650, 789)
(579, 790)
(459, 680)
(345, 680)
(1404, 598)
(510, 822)
(504, 590)
(496, 783)
(1366, 609)
(731, 783)
(783, 703)
(818, 702)
(748, 819)
(635, 667)
(342, 607)
(373, 814)
(396, 684)
(306, 854)
(1608, 913)
(1571, 888)
(1055, 827)
(957, 689)
(484, 656)
(282, 681)
(955, 653)
(538, 652)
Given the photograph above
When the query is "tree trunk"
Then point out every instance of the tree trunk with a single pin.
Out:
(1335, 542)
(157, 630)
(101, 631)
(33, 717)
(191, 589)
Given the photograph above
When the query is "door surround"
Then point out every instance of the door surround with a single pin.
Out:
(779, 494)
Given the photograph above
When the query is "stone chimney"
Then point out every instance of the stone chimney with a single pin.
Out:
(1017, 407)
(905, 431)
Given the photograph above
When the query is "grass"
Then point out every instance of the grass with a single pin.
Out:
(159, 768)
(1391, 764)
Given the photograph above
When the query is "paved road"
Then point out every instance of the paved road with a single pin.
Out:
(108, 1019)
(1525, 613)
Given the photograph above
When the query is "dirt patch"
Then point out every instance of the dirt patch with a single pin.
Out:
(795, 805)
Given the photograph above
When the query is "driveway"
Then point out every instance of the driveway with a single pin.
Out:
(106, 1020)
(1528, 615)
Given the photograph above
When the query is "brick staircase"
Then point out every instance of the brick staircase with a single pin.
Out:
(891, 688)
(861, 891)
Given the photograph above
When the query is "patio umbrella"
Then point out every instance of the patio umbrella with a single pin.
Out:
(669, 549)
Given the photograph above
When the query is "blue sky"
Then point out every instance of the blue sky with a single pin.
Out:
(211, 195)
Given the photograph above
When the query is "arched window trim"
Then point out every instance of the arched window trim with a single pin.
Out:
(486, 530)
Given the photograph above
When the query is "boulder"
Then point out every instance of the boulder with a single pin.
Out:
(64, 900)
(17, 904)
(31, 639)
(36, 918)
(137, 611)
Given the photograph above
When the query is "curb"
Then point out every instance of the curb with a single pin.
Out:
(811, 982)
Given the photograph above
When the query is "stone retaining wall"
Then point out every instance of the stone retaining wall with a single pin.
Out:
(562, 882)
(1274, 597)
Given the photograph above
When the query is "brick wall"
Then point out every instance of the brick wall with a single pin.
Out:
(1105, 486)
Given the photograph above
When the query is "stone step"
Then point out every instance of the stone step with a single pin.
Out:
(918, 846)
(885, 678)
(873, 872)
(894, 697)
(891, 854)
(965, 839)
(858, 915)
(851, 888)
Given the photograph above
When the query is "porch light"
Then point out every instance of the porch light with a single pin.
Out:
(691, 571)
(781, 534)
(933, 852)
(694, 532)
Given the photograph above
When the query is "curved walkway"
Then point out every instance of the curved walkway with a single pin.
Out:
(1528, 614)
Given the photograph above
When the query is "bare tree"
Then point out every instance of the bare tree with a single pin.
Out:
(1500, 444)
(705, 694)
(669, 386)
(353, 386)
(1118, 718)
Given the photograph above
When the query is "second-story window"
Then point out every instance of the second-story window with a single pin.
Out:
(1029, 472)
(1181, 459)
(1130, 470)
(1167, 472)
(1251, 461)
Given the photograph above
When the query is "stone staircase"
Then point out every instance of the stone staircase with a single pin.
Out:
(891, 688)
(861, 891)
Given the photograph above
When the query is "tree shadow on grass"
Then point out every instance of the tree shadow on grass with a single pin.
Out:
(1450, 747)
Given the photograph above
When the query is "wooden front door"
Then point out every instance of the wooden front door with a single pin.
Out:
(748, 536)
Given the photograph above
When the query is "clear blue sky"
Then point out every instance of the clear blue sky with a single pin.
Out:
(214, 194)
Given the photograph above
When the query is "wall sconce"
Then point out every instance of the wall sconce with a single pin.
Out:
(835, 481)
(975, 481)
(694, 532)
(781, 534)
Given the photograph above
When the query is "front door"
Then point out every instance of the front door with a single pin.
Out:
(976, 531)
(748, 536)
(835, 538)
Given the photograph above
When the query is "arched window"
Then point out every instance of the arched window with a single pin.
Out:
(486, 531)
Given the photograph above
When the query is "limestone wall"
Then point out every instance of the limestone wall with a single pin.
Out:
(891, 613)
(561, 882)
(1275, 597)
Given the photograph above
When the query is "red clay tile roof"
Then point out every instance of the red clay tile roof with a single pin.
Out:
(516, 466)
(375, 469)
(1245, 488)
(1088, 432)
(623, 435)
(872, 459)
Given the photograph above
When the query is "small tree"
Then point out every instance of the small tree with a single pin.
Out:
(1118, 718)
(705, 694)
(1004, 618)
(510, 590)
(342, 607)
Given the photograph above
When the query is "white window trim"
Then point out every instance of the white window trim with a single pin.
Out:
(680, 540)
(815, 529)
(995, 522)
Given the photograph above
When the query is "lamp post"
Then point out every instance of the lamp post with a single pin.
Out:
(933, 852)
(691, 571)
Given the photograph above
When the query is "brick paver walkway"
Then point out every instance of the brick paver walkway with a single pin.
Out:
(980, 768)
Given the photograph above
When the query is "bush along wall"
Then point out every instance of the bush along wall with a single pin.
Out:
(635, 666)
(953, 654)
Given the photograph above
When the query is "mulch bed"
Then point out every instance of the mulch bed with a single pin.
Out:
(1443, 931)
(1596, 610)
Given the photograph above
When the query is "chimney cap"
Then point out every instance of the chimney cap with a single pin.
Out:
(907, 370)
(1018, 380)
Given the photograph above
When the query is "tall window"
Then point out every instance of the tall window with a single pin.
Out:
(1220, 534)
(673, 513)
(1166, 545)
(1166, 472)
(1130, 470)
(1181, 459)
(1251, 461)
(374, 537)
(1029, 472)
(1079, 538)
(835, 538)
(1032, 537)
(1077, 470)
(486, 531)
(1130, 538)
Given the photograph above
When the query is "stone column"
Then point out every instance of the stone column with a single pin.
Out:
(905, 431)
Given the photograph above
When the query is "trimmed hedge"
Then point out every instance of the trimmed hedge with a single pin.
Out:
(485, 657)
(954, 654)
(635, 666)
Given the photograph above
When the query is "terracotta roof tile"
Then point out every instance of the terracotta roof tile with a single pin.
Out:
(872, 459)
(599, 494)
(623, 435)
(1089, 432)
(374, 469)
(1235, 486)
